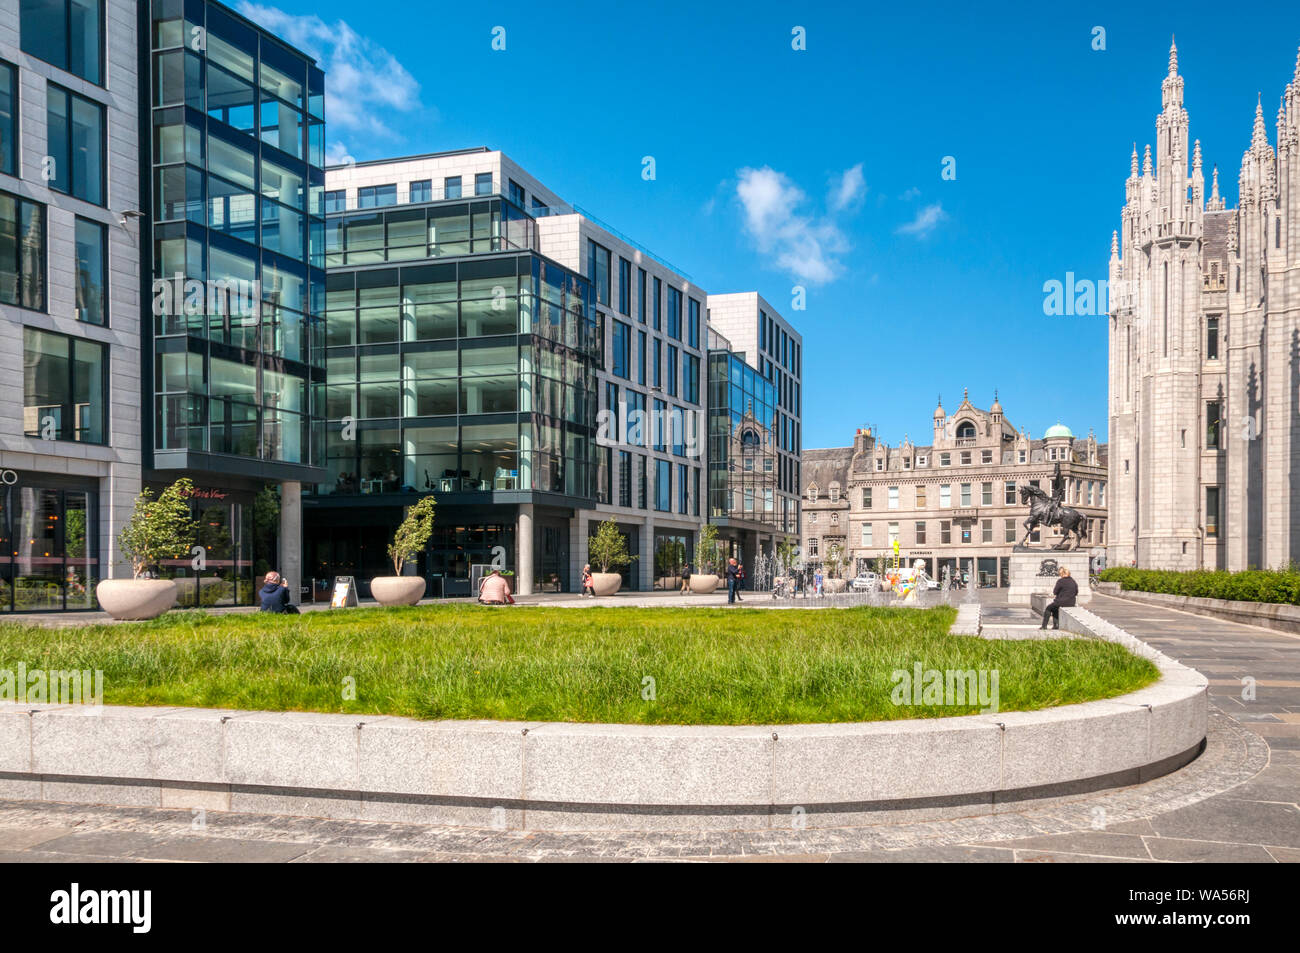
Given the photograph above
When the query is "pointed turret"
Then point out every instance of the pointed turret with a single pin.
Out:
(1146, 161)
(1114, 251)
(1133, 163)
(1215, 204)
(1259, 136)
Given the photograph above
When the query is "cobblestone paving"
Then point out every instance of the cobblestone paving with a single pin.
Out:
(1237, 802)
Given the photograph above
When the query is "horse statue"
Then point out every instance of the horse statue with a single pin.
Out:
(1048, 511)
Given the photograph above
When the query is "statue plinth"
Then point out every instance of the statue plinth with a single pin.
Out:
(1035, 570)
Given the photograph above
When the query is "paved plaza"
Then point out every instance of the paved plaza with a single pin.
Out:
(1237, 802)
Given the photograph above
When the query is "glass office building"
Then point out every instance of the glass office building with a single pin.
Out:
(234, 251)
(744, 502)
(459, 362)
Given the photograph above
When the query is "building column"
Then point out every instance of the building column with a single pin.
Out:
(291, 537)
(524, 540)
(646, 555)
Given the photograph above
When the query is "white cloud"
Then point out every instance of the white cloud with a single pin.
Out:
(806, 247)
(848, 191)
(366, 88)
(926, 221)
(910, 194)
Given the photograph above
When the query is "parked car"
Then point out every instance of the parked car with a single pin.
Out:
(866, 582)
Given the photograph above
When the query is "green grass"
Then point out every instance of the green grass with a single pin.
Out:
(710, 666)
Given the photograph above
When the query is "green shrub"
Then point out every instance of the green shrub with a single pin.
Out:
(1251, 585)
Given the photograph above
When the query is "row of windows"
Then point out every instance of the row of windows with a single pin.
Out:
(669, 309)
(966, 458)
(417, 191)
(663, 373)
(965, 533)
(1081, 492)
(630, 482)
(23, 243)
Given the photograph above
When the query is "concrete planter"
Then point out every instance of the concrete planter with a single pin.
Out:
(606, 583)
(834, 585)
(397, 590)
(668, 582)
(136, 598)
(703, 585)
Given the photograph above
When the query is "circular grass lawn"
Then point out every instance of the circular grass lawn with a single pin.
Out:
(619, 665)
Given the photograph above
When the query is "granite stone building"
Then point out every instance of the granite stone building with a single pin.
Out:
(952, 502)
(1204, 333)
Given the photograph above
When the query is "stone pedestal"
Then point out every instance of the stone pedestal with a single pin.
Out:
(1034, 570)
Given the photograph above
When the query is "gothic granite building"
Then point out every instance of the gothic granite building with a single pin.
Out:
(1205, 351)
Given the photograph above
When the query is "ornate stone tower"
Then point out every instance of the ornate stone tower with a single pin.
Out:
(1205, 352)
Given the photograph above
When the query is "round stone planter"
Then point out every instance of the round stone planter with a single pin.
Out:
(834, 585)
(668, 582)
(703, 585)
(397, 590)
(136, 598)
(606, 583)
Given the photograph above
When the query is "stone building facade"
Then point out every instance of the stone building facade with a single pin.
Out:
(1204, 329)
(953, 502)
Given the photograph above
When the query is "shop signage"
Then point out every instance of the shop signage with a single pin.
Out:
(8, 477)
(345, 593)
(205, 493)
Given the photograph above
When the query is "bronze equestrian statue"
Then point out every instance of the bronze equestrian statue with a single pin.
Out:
(1049, 511)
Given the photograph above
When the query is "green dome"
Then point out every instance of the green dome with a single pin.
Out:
(1058, 430)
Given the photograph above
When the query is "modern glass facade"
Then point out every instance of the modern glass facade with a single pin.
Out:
(742, 453)
(236, 134)
(459, 362)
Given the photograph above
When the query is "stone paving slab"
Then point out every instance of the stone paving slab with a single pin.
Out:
(1230, 804)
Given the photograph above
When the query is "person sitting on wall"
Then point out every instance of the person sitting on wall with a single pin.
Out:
(275, 595)
(493, 590)
(1063, 596)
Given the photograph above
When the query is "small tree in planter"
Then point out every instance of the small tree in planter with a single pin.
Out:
(607, 550)
(160, 528)
(707, 558)
(408, 542)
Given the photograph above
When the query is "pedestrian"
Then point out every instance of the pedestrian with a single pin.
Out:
(732, 582)
(1063, 596)
(588, 585)
(740, 579)
(494, 590)
(686, 578)
(275, 595)
(817, 583)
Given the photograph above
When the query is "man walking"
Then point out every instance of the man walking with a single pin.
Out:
(733, 569)
(1063, 595)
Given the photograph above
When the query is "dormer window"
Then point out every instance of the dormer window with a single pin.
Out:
(812, 493)
(880, 463)
(835, 492)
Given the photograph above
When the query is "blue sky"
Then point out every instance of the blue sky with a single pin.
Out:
(822, 167)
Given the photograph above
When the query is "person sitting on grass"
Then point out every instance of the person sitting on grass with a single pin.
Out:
(494, 590)
(275, 595)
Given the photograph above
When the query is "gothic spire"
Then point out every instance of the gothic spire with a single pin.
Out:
(1196, 156)
(1114, 244)
(1133, 162)
(1215, 203)
(1259, 139)
(1146, 161)
(1173, 56)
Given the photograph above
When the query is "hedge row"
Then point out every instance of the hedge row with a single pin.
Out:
(1253, 585)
